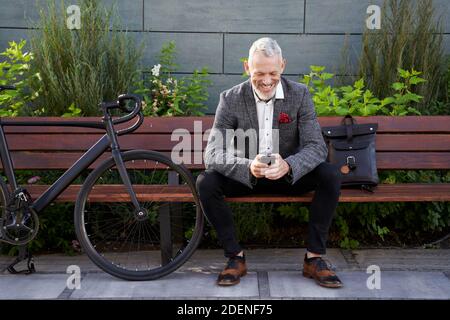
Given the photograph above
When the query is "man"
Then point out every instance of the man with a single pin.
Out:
(278, 114)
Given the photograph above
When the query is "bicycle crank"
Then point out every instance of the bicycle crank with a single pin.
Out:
(19, 223)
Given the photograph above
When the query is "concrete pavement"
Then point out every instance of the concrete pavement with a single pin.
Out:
(273, 274)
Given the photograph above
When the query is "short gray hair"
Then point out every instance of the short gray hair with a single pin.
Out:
(268, 46)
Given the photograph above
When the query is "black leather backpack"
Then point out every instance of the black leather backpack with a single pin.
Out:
(351, 146)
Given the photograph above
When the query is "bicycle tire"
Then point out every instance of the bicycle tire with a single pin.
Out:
(4, 198)
(101, 252)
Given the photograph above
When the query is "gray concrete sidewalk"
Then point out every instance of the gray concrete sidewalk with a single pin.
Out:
(273, 274)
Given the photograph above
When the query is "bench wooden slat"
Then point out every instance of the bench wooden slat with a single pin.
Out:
(386, 124)
(413, 160)
(82, 142)
(413, 142)
(385, 160)
(383, 193)
(160, 142)
(117, 193)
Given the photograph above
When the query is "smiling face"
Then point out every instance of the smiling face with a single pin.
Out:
(265, 73)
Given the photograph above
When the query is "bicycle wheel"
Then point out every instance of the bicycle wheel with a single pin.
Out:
(147, 244)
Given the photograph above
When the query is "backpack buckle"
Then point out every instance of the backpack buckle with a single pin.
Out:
(351, 162)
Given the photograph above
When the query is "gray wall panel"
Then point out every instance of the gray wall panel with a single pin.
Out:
(442, 8)
(331, 16)
(16, 14)
(225, 16)
(130, 12)
(194, 51)
(299, 51)
(446, 41)
(349, 16)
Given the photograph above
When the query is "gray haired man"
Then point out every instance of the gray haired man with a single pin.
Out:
(279, 117)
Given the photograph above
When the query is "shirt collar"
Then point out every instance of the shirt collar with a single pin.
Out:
(279, 93)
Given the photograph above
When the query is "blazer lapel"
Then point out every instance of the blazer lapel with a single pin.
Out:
(250, 105)
(280, 105)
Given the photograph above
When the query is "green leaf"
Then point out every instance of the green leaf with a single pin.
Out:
(317, 83)
(403, 73)
(74, 111)
(327, 76)
(416, 80)
(398, 86)
(387, 100)
(346, 89)
(359, 84)
(412, 97)
(414, 111)
(317, 69)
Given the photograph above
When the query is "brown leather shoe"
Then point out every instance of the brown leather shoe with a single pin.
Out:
(234, 270)
(320, 270)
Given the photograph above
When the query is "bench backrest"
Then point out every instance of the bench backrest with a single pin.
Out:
(409, 142)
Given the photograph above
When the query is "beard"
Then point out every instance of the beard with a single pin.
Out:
(266, 95)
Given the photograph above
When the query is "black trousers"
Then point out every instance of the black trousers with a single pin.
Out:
(325, 180)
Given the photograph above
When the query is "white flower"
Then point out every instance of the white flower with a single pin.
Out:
(169, 80)
(155, 70)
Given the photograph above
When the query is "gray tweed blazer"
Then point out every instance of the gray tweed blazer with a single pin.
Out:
(300, 141)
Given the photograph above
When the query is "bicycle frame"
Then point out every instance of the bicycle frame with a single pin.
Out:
(64, 181)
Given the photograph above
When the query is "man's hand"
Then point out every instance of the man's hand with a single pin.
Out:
(258, 168)
(277, 169)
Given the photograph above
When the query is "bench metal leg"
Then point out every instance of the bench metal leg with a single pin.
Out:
(176, 210)
(165, 233)
(165, 220)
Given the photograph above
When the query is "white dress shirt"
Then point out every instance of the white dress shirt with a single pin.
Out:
(265, 120)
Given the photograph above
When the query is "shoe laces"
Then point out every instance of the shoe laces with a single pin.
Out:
(323, 264)
(233, 262)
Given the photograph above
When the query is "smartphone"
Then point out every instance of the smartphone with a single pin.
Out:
(268, 159)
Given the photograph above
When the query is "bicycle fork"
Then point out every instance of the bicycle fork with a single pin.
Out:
(116, 154)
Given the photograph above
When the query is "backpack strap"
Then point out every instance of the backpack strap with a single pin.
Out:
(348, 122)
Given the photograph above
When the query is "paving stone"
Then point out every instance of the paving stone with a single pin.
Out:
(394, 285)
(35, 286)
(189, 285)
(405, 259)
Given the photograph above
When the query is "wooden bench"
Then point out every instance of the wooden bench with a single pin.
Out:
(403, 143)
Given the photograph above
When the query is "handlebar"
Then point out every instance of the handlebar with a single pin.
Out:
(120, 103)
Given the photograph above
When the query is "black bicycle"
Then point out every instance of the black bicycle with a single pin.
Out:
(125, 218)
